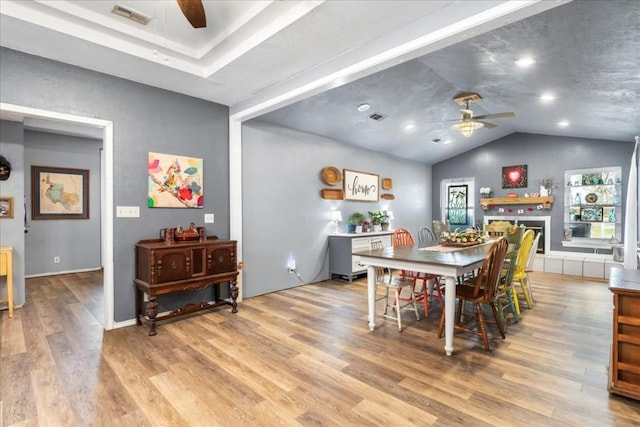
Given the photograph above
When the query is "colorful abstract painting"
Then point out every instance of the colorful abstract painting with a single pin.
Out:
(175, 181)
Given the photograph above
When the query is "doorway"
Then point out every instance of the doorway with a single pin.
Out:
(19, 113)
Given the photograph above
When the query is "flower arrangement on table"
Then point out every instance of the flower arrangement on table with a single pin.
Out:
(467, 237)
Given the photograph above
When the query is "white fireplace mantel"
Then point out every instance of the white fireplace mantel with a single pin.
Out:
(515, 219)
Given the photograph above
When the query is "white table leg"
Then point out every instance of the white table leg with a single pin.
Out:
(371, 296)
(449, 313)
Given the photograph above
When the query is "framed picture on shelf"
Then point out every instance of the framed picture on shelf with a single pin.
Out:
(592, 179)
(59, 193)
(591, 214)
(6, 207)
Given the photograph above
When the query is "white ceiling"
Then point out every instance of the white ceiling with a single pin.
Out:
(309, 63)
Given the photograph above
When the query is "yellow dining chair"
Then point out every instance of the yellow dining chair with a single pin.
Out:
(520, 273)
(530, 261)
(513, 234)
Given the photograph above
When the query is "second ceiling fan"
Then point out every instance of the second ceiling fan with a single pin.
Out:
(467, 122)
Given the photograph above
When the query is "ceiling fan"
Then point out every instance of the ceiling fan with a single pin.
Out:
(467, 122)
(193, 10)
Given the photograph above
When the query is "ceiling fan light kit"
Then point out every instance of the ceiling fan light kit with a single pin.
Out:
(467, 127)
(467, 122)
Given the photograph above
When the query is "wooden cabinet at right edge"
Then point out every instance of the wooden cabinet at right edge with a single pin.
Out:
(624, 369)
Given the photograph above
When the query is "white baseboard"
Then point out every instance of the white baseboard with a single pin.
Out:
(56, 273)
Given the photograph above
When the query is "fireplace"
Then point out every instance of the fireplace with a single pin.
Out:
(536, 223)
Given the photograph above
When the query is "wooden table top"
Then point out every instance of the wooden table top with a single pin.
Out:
(459, 258)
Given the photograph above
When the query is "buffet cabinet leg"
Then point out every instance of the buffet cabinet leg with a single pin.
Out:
(234, 296)
(152, 312)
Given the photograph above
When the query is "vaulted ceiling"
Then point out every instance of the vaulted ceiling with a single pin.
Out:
(308, 64)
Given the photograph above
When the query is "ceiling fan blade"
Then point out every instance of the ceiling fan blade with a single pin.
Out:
(486, 124)
(193, 10)
(496, 115)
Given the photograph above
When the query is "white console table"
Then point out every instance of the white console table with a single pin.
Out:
(342, 245)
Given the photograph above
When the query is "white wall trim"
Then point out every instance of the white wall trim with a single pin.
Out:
(235, 190)
(546, 219)
(19, 112)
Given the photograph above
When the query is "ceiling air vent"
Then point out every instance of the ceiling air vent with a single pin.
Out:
(377, 117)
(131, 14)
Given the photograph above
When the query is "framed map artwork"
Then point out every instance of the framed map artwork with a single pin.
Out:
(59, 193)
(175, 181)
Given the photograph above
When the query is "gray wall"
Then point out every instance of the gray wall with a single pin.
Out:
(47, 239)
(284, 214)
(544, 155)
(12, 230)
(145, 119)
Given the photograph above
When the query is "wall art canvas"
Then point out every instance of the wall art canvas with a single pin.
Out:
(514, 176)
(361, 186)
(59, 193)
(457, 204)
(175, 181)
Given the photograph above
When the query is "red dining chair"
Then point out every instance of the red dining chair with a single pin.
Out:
(403, 237)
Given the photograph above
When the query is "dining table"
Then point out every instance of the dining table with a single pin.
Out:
(450, 262)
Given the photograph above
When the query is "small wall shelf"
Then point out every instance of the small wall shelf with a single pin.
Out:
(546, 202)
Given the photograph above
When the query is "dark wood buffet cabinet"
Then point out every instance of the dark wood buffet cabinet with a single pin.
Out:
(164, 267)
(624, 368)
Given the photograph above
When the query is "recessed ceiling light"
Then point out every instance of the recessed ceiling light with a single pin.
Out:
(409, 127)
(525, 61)
(547, 97)
(363, 107)
(563, 123)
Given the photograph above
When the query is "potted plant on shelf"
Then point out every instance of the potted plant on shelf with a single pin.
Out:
(376, 220)
(355, 223)
(384, 220)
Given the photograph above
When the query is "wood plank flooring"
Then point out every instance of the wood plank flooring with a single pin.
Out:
(305, 357)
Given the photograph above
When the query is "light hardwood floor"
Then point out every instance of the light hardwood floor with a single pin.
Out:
(305, 357)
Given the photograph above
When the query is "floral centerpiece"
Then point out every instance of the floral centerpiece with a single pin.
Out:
(468, 237)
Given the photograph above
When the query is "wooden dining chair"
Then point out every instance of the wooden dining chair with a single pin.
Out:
(439, 227)
(481, 290)
(425, 235)
(395, 284)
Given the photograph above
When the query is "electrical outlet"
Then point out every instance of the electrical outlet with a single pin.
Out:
(56, 260)
(208, 218)
(291, 265)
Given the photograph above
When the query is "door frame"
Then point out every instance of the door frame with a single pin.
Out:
(106, 193)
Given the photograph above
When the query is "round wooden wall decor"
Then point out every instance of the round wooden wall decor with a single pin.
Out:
(331, 175)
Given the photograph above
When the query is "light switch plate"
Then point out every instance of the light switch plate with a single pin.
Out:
(208, 218)
(127, 211)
